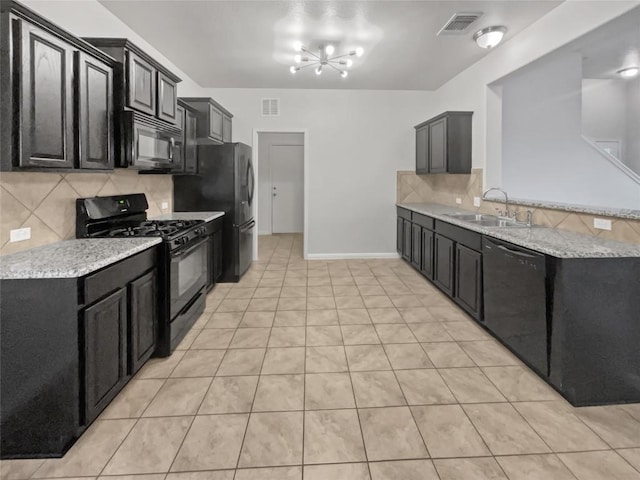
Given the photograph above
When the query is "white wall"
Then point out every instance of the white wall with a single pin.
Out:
(604, 111)
(356, 142)
(633, 125)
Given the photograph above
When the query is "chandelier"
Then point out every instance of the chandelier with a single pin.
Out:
(325, 58)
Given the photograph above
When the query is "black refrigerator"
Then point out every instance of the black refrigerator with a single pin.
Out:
(225, 182)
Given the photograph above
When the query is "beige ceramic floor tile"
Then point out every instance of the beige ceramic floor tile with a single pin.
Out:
(332, 436)
(320, 291)
(257, 319)
(147, 476)
(385, 315)
(349, 302)
(403, 470)
(469, 469)
(178, 396)
(504, 430)
(354, 316)
(448, 314)
(213, 442)
(224, 320)
(599, 466)
(290, 318)
(377, 301)
(19, 469)
(241, 292)
(324, 335)
(160, 367)
(199, 363)
(210, 475)
(519, 384)
(346, 291)
(465, 331)
(328, 391)
(233, 305)
(242, 362)
(269, 292)
(322, 317)
(213, 338)
(407, 355)
(390, 433)
(270, 473)
(264, 305)
(448, 432)
(279, 393)
(359, 335)
(488, 353)
(395, 333)
(321, 303)
(229, 395)
(343, 471)
(447, 355)
(424, 387)
(134, 398)
(287, 337)
(292, 303)
(559, 427)
(430, 332)
(534, 467)
(188, 339)
(294, 292)
(273, 439)
(90, 453)
(405, 301)
(150, 447)
(367, 358)
(376, 389)
(326, 359)
(631, 455)
(470, 385)
(613, 424)
(250, 338)
(371, 290)
(284, 360)
(416, 315)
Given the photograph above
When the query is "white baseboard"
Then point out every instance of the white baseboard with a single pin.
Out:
(350, 256)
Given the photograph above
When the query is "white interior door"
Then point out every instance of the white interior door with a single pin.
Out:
(287, 181)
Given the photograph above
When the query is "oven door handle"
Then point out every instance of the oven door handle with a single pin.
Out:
(248, 227)
(180, 253)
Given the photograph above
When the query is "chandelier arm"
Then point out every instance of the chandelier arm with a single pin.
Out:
(313, 54)
(309, 65)
(340, 56)
(335, 68)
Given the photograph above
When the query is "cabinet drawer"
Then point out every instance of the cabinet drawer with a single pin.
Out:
(404, 213)
(114, 277)
(423, 220)
(461, 235)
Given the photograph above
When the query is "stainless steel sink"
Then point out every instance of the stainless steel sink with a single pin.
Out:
(471, 217)
(487, 220)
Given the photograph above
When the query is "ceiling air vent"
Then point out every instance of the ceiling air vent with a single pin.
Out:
(270, 107)
(459, 23)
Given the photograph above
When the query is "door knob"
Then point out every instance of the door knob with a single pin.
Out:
(275, 194)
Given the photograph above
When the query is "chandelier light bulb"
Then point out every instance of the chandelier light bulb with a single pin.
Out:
(294, 69)
(348, 63)
(297, 46)
(319, 70)
(629, 72)
(344, 74)
(297, 58)
(359, 51)
(329, 50)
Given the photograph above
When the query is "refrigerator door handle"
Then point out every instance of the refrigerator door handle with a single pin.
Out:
(251, 185)
(248, 226)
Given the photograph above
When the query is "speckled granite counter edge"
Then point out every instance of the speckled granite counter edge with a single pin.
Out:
(584, 246)
(607, 212)
(32, 263)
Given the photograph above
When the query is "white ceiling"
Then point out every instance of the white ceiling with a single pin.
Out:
(248, 44)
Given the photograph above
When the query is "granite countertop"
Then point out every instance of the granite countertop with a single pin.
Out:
(551, 241)
(71, 258)
(206, 216)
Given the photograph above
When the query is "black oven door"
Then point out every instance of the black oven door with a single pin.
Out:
(187, 274)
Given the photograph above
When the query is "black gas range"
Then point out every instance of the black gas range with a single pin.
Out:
(182, 264)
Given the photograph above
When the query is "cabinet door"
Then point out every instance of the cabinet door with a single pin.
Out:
(105, 352)
(443, 268)
(143, 319)
(217, 255)
(399, 235)
(426, 266)
(180, 144)
(406, 239)
(190, 143)
(46, 134)
(469, 280)
(438, 146)
(422, 150)
(95, 112)
(215, 123)
(416, 245)
(141, 84)
(226, 129)
(167, 99)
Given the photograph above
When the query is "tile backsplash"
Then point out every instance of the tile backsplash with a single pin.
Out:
(445, 188)
(46, 201)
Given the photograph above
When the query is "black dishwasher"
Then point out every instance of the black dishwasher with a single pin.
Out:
(515, 300)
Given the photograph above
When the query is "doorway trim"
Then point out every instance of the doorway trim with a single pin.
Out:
(305, 186)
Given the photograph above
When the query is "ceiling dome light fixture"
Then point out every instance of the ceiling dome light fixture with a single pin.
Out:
(629, 72)
(325, 57)
(489, 37)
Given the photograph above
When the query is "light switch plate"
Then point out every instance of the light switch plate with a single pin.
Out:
(601, 224)
(476, 201)
(20, 234)
(165, 205)
(459, 201)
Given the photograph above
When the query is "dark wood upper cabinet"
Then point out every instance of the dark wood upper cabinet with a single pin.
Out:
(95, 112)
(443, 144)
(187, 145)
(213, 120)
(167, 98)
(141, 84)
(56, 90)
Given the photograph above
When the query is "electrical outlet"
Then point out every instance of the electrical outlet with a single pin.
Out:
(459, 201)
(165, 205)
(476, 201)
(20, 234)
(601, 224)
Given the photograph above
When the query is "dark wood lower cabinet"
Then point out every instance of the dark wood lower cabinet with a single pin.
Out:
(468, 275)
(143, 301)
(444, 263)
(406, 240)
(105, 352)
(399, 235)
(416, 245)
(426, 267)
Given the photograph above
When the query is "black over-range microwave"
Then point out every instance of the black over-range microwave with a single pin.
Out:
(150, 144)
